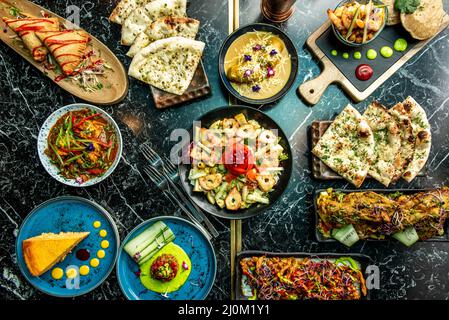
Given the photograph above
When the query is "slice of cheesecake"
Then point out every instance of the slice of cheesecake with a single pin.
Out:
(44, 251)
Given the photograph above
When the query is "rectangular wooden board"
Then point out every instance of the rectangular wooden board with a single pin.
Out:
(199, 87)
(342, 71)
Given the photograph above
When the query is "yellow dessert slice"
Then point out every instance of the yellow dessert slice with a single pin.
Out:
(44, 251)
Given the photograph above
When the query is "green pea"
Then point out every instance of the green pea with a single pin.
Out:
(386, 52)
(357, 55)
(345, 55)
(371, 54)
(400, 45)
(334, 53)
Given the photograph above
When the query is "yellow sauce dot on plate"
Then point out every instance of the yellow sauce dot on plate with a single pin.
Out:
(94, 262)
(105, 244)
(57, 273)
(71, 273)
(97, 224)
(103, 233)
(84, 270)
(101, 254)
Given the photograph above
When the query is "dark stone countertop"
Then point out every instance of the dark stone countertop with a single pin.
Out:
(27, 98)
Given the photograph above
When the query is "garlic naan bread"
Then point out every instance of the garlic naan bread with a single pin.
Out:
(141, 17)
(168, 64)
(124, 9)
(26, 29)
(67, 47)
(347, 146)
(405, 154)
(387, 142)
(165, 28)
(422, 135)
(425, 22)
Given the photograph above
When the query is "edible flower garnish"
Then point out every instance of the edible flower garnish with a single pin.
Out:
(257, 47)
(79, 180)
(273, 52)
(247, 73)
(90, 147)
(270, 72)
(185, 266)
(247, 57)
(256, 88)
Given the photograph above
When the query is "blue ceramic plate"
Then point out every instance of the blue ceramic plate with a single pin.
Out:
(197, 247)
(66, 214)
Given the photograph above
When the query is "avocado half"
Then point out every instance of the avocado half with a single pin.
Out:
(174, 284)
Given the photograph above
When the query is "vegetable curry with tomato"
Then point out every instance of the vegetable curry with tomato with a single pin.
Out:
(82, 144)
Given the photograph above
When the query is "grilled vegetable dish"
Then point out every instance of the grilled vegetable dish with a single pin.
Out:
(82, 144)
(356, 22)
(363, 215)
(236, 162)
(275, 278)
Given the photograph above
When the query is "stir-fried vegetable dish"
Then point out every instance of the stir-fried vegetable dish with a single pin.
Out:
(375, 215)
(236, 162)
(358, 23)
(82, 144)
(289, 278)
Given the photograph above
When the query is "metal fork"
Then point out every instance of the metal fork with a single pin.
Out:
(170, 172)
(161, 182)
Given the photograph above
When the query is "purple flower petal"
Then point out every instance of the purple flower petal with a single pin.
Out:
(247, 57)
(270, 72)
(257, 47)
(247, 73)
(256, 88)
(273, 52)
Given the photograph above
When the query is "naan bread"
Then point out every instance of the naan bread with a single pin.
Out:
(140, 18)
(422, 135)
(67, 47)
(387, 142)
(425, 22)
(405, 154)
(165, 28)
(394, 16)
(168, 64)
(347, 146)
(26, 29)
(124, 9)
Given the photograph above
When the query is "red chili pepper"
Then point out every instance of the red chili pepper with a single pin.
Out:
(86, 118)
(70, 150)
(95, 171)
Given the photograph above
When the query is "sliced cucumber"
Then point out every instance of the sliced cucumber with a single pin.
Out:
(151, 240)
(346, 235)
(407, 237)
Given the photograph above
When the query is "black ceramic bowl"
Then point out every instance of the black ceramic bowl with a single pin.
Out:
(265, 121)
(258, 27)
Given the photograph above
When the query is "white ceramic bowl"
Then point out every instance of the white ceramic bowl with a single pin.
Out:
(42, 145)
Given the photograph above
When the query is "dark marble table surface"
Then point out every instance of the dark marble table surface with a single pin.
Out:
(27, 98)
(420, 272)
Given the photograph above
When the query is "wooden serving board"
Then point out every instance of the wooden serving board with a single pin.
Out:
(336, 69)
(199, 87)
(321, 171)
(115, 81)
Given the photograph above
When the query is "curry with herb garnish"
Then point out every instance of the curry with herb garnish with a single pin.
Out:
(82, 144)
(258, 65)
